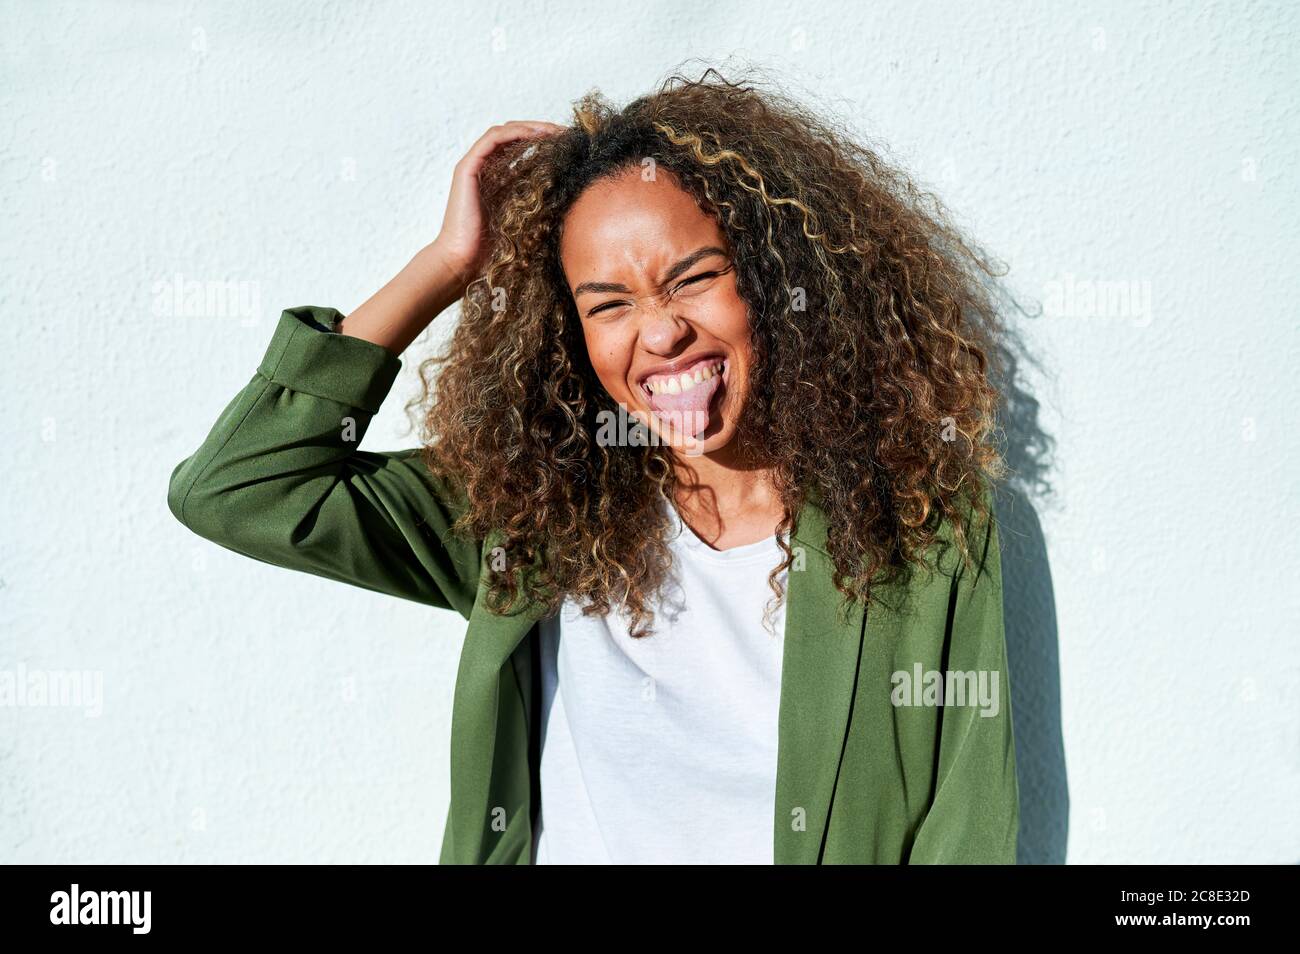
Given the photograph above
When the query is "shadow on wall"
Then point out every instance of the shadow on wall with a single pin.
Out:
(1029, 608)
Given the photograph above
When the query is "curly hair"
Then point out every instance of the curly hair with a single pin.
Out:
(871, 328)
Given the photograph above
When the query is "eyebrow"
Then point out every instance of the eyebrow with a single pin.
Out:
(672, 273)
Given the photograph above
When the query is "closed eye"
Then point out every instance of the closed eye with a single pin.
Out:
(705, 275)
(690, 281)
(605, 307)
(699, 277)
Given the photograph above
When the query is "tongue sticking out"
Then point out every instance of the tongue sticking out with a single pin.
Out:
(687, 412)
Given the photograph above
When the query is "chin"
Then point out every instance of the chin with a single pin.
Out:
(713, 437)
(711, 443)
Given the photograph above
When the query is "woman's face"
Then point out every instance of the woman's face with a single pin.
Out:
(666, 331)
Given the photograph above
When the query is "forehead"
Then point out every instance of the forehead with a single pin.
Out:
(633, 224)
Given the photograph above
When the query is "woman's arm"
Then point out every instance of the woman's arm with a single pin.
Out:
(975, 813)
(438, 275)
(279, 477)
(395, 315)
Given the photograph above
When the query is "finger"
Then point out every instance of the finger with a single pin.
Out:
(478, 154)
(536, 123)
(502, 134)
(499, 136)
(519, 127)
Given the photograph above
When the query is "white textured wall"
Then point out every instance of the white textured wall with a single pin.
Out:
(303, 149)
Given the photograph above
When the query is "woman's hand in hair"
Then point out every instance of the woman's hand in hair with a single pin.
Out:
(437, 276)
(461, 239)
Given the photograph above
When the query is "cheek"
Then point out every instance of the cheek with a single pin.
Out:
(735, 329)
(609, 361)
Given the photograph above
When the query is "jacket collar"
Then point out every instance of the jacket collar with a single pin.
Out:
(823, 643)
(820, 661)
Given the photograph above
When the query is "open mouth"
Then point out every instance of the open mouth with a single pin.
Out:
(696, 375)
(683, 398)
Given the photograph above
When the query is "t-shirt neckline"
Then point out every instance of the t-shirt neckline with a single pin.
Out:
(681, 535)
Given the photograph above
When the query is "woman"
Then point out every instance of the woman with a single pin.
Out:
(706, 466)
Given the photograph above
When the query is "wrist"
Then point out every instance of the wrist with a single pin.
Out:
(444, 274)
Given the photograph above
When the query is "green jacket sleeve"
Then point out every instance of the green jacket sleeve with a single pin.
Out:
(975, 812)
(280, 479)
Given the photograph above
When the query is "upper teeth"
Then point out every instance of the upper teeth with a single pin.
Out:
(677, 383)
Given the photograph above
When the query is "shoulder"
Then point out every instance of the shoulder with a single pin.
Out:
(967, 538)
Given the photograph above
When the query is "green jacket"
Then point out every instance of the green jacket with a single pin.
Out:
(859, 778)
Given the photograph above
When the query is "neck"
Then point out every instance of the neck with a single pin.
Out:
(726, 499)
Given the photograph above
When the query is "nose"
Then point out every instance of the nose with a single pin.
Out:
(662, 329)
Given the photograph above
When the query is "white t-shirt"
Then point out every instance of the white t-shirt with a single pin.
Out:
(662, 750)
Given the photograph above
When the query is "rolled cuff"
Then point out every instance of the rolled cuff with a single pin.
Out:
(304, 356)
